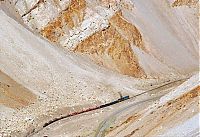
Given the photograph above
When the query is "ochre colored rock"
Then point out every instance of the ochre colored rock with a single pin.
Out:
(54, 29)
(184, 2)
(112, 47)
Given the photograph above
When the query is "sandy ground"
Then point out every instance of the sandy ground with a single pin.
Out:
(14, 95)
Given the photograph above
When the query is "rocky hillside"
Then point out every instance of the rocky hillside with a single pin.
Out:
(121, 34)
(59, 58)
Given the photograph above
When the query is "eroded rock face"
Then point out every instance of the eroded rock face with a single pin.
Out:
(184, 2)
(66, 20)
(114, 41)
(108, 43)
(116, 35)
(111, 47)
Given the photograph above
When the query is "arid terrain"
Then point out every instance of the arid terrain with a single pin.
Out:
(99, 68)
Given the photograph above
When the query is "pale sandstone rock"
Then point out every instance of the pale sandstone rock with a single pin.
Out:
(71, 27)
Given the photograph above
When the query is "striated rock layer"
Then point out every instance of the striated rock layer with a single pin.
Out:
(121, 35)
(111, 47)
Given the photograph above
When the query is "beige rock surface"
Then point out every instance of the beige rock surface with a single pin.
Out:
(59, 58)
(79, 21)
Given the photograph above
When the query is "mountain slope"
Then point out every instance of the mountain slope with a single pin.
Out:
(158, 28)
(62, 58)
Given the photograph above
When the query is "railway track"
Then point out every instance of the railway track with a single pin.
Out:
(109, 120)
(121, 99)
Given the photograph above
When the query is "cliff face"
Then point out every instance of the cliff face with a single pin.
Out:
(108, 46)
(111, 47)
(117, 34)
(67, 19)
